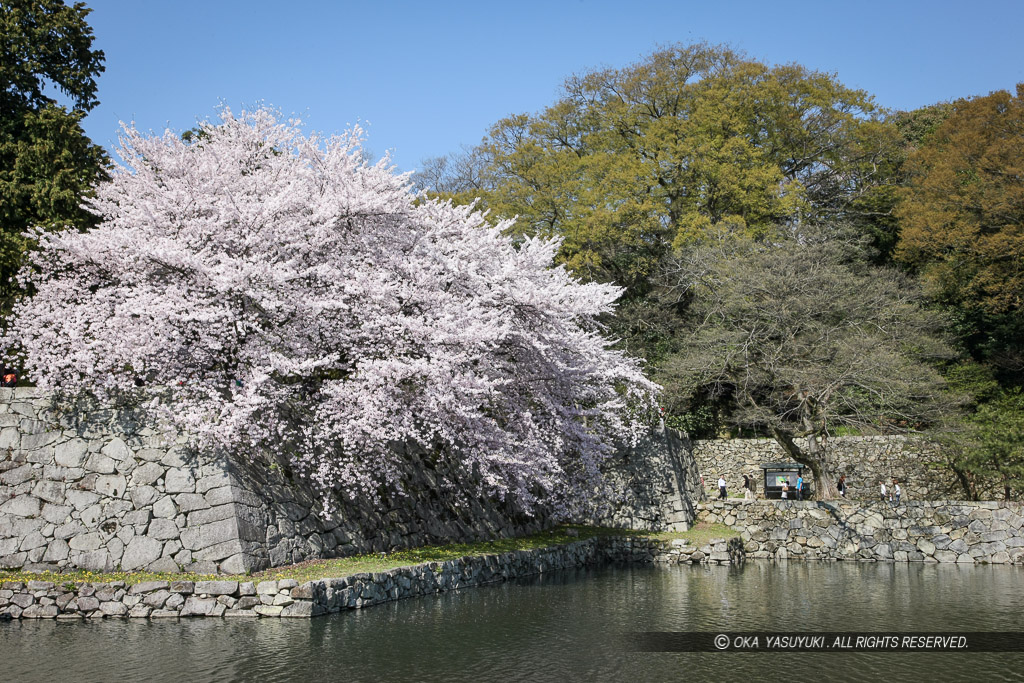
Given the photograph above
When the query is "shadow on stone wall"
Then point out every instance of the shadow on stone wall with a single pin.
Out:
(97, 488)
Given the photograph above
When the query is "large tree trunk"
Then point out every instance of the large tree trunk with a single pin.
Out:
(814, 458)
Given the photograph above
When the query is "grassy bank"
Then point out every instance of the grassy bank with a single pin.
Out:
(379, 562)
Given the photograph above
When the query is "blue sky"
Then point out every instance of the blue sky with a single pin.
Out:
(428, 77)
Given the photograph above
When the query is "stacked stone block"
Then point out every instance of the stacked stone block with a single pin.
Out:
(920, 531)
(865, 460)
(287, 598)
(97, 488)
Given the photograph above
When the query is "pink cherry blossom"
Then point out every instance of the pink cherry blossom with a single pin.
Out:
(264, 289)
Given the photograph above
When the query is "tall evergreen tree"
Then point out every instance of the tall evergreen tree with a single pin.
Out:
(47, 164)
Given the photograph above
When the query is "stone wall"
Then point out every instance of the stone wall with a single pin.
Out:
(919, 531)
(287, 598)
(865, 460)
(97, 488)
(657, 483)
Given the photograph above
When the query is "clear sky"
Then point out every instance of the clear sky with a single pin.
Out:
(430, 76)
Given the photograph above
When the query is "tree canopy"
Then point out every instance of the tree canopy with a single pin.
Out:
(803, 336)
(631, 162)
(282, 293)
(47, 164)
(963, 209)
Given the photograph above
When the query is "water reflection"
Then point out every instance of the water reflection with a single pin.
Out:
(560, 627)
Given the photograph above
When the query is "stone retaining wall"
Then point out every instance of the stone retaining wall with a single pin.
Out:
(865, 460)
(920, 531)
(96, 488)
(287, 598)
(657, 483)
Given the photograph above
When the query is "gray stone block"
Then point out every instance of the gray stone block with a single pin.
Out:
(50, 491)
(204, 567)
(300, 609)
(88, 604)
(179, 480)
(32, 541)
(191, 501)
(268, 610)
(147, 587)
(81, 499)
(213, 514)
(212, 481)
(163, 565)
(56, 551)
(94, 560)
(143, 496)
(22, 506)
(89, 541)
(239, 563)
(218, 532)
(113, 609)
(156, 599)
(116, 449)
(31, 442)
(219, 496)
(101, 464)
(141, 552)
(10, 438)
(111, 485)
(220, 551)
(66, 531)
(70, 453)
(40, 612)
(216, 587)
(18, 475)
(146, 474)
(163, 529)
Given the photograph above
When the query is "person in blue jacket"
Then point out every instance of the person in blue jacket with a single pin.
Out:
(800, 487)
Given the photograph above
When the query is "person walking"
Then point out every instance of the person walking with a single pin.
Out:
(721, 487)
(842, 486)
(884, 492)
(896, 491)
(748, 492)
(800, 486)
(785, 489)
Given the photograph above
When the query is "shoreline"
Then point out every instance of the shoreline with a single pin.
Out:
(287, 598)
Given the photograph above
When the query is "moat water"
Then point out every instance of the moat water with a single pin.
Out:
(564, 626)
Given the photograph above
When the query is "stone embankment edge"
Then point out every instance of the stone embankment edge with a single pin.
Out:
(962, 532)
(289, 598)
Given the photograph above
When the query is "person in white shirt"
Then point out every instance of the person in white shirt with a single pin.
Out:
(883, 490)
(896, 491)
(721, 486)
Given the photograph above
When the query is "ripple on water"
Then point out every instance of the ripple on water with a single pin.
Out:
(561, 627)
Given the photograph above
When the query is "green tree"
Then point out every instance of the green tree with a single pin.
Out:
(986, 449)
(632, 162)
(802, 335)
(47, 164)
(962, 222)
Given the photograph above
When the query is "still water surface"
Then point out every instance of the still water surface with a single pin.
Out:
(561, 627)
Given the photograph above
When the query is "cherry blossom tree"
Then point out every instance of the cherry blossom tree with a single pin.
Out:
(264, 289)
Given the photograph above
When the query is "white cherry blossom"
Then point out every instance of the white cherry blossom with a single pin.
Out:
(279, 292)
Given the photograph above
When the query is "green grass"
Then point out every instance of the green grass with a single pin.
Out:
(379, 562)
